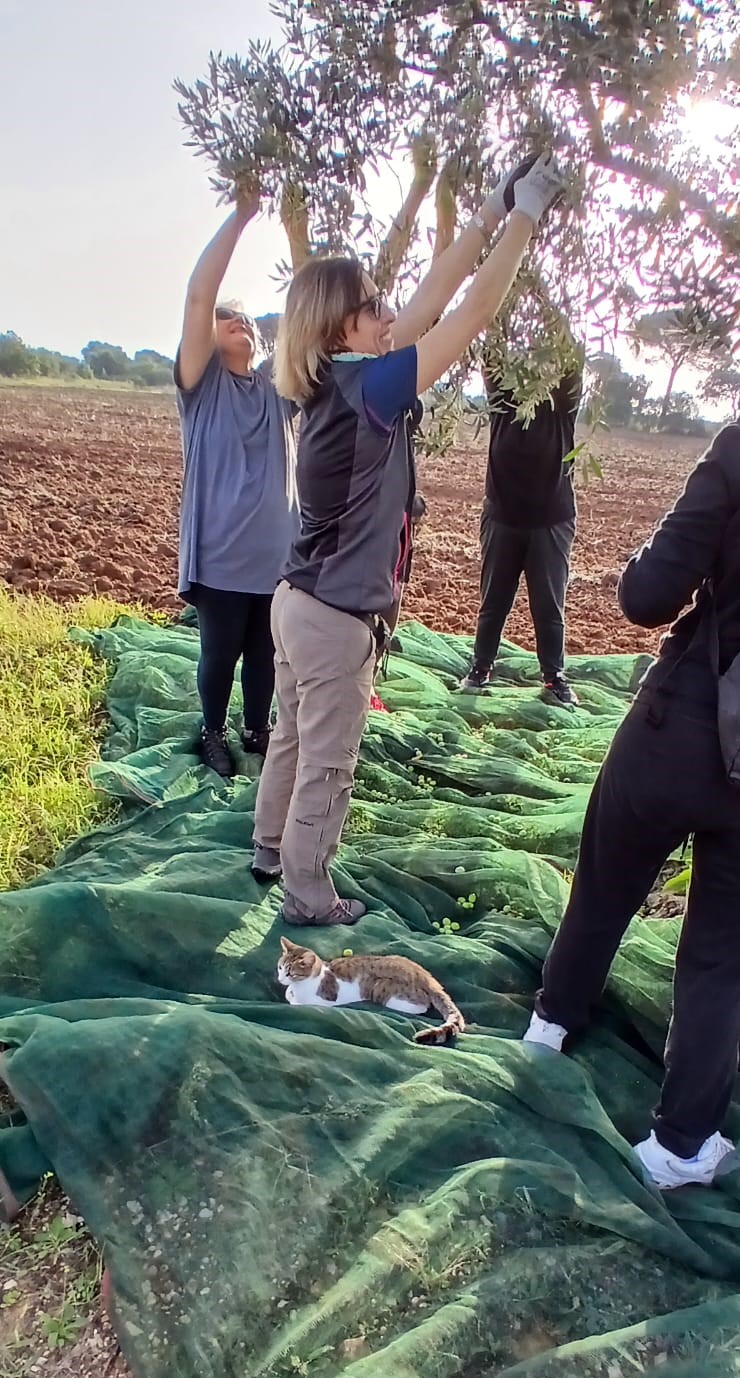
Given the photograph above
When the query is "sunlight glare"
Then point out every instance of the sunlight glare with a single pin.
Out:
(705, 123)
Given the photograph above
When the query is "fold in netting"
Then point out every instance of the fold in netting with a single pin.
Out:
(284, 1191)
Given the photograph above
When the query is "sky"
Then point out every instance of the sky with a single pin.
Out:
(103, 211)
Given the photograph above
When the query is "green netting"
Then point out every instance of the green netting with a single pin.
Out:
(286, 1191)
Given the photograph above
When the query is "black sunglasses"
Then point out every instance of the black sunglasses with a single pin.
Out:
(374, 305)
(225, 313)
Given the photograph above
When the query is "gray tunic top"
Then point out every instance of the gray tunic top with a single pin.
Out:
(239, 510)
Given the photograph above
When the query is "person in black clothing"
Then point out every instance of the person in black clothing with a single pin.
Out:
(527, 527)
(663, 780)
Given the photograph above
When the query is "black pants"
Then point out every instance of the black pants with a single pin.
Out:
(659, 784)
(233, 625)
(542, 555)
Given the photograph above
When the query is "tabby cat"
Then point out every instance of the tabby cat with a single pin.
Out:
(394, 982)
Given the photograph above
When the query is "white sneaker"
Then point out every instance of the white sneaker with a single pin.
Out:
(667, 1170)
(544, 1033)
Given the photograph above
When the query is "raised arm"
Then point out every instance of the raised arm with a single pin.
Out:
(448, 340)
(199, 327)
(439, 286)
(450, 270)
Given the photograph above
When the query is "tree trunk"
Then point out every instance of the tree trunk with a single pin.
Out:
(395, 246)
(675, 366)
(447, 188)
(294, 215)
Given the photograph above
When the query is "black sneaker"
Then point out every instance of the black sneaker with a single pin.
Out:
(255, 743)
(479, 677)
(214, 751)
(558, 690)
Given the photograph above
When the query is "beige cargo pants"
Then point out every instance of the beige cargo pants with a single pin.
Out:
(324, 664)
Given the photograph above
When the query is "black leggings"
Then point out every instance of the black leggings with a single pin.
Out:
(233, 625)
(662, 780)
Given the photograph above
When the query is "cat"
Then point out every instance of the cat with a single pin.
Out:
(394, 982)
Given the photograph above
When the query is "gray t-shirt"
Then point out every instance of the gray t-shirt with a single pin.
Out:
(239, 509)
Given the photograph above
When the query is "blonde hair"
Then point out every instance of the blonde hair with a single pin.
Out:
(323, 293)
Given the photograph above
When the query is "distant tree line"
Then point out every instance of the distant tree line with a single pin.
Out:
(614, 397)
(618, 398)
(97, 360)
(674, 339)
(18, 360)
(108, 362)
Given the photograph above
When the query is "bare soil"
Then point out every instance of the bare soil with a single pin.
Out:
(89, 490)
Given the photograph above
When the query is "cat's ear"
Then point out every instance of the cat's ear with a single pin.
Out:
(287, 945)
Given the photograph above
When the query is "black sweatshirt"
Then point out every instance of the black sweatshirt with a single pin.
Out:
(527, 483)
(698, 540)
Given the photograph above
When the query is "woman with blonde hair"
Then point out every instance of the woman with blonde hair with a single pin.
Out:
(356, 370)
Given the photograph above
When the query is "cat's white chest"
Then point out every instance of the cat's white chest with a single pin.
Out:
(307, 992)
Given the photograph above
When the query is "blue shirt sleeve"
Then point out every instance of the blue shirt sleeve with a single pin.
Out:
(389, 386)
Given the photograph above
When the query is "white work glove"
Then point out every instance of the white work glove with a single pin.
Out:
(535, 192)
(501, 199)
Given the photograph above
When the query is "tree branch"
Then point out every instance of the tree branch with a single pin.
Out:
(726, 228)
(446, 204)
(294, 217)
(599, 146)
(395, 246)
(422, 71)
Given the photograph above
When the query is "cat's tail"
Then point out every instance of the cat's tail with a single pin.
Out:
(454, 1023)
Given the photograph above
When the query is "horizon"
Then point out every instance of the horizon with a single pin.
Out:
(705, 411)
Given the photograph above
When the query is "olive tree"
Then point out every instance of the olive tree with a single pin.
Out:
(648, 223)
(686, 336)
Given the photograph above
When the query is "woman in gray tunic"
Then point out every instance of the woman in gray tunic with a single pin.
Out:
(239, 511)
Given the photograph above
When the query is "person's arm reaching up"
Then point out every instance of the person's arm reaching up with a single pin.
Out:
(199, 331)
(450, 270)
(448, 340)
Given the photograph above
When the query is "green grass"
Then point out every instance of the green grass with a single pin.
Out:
(52, 721)
(51, 726)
